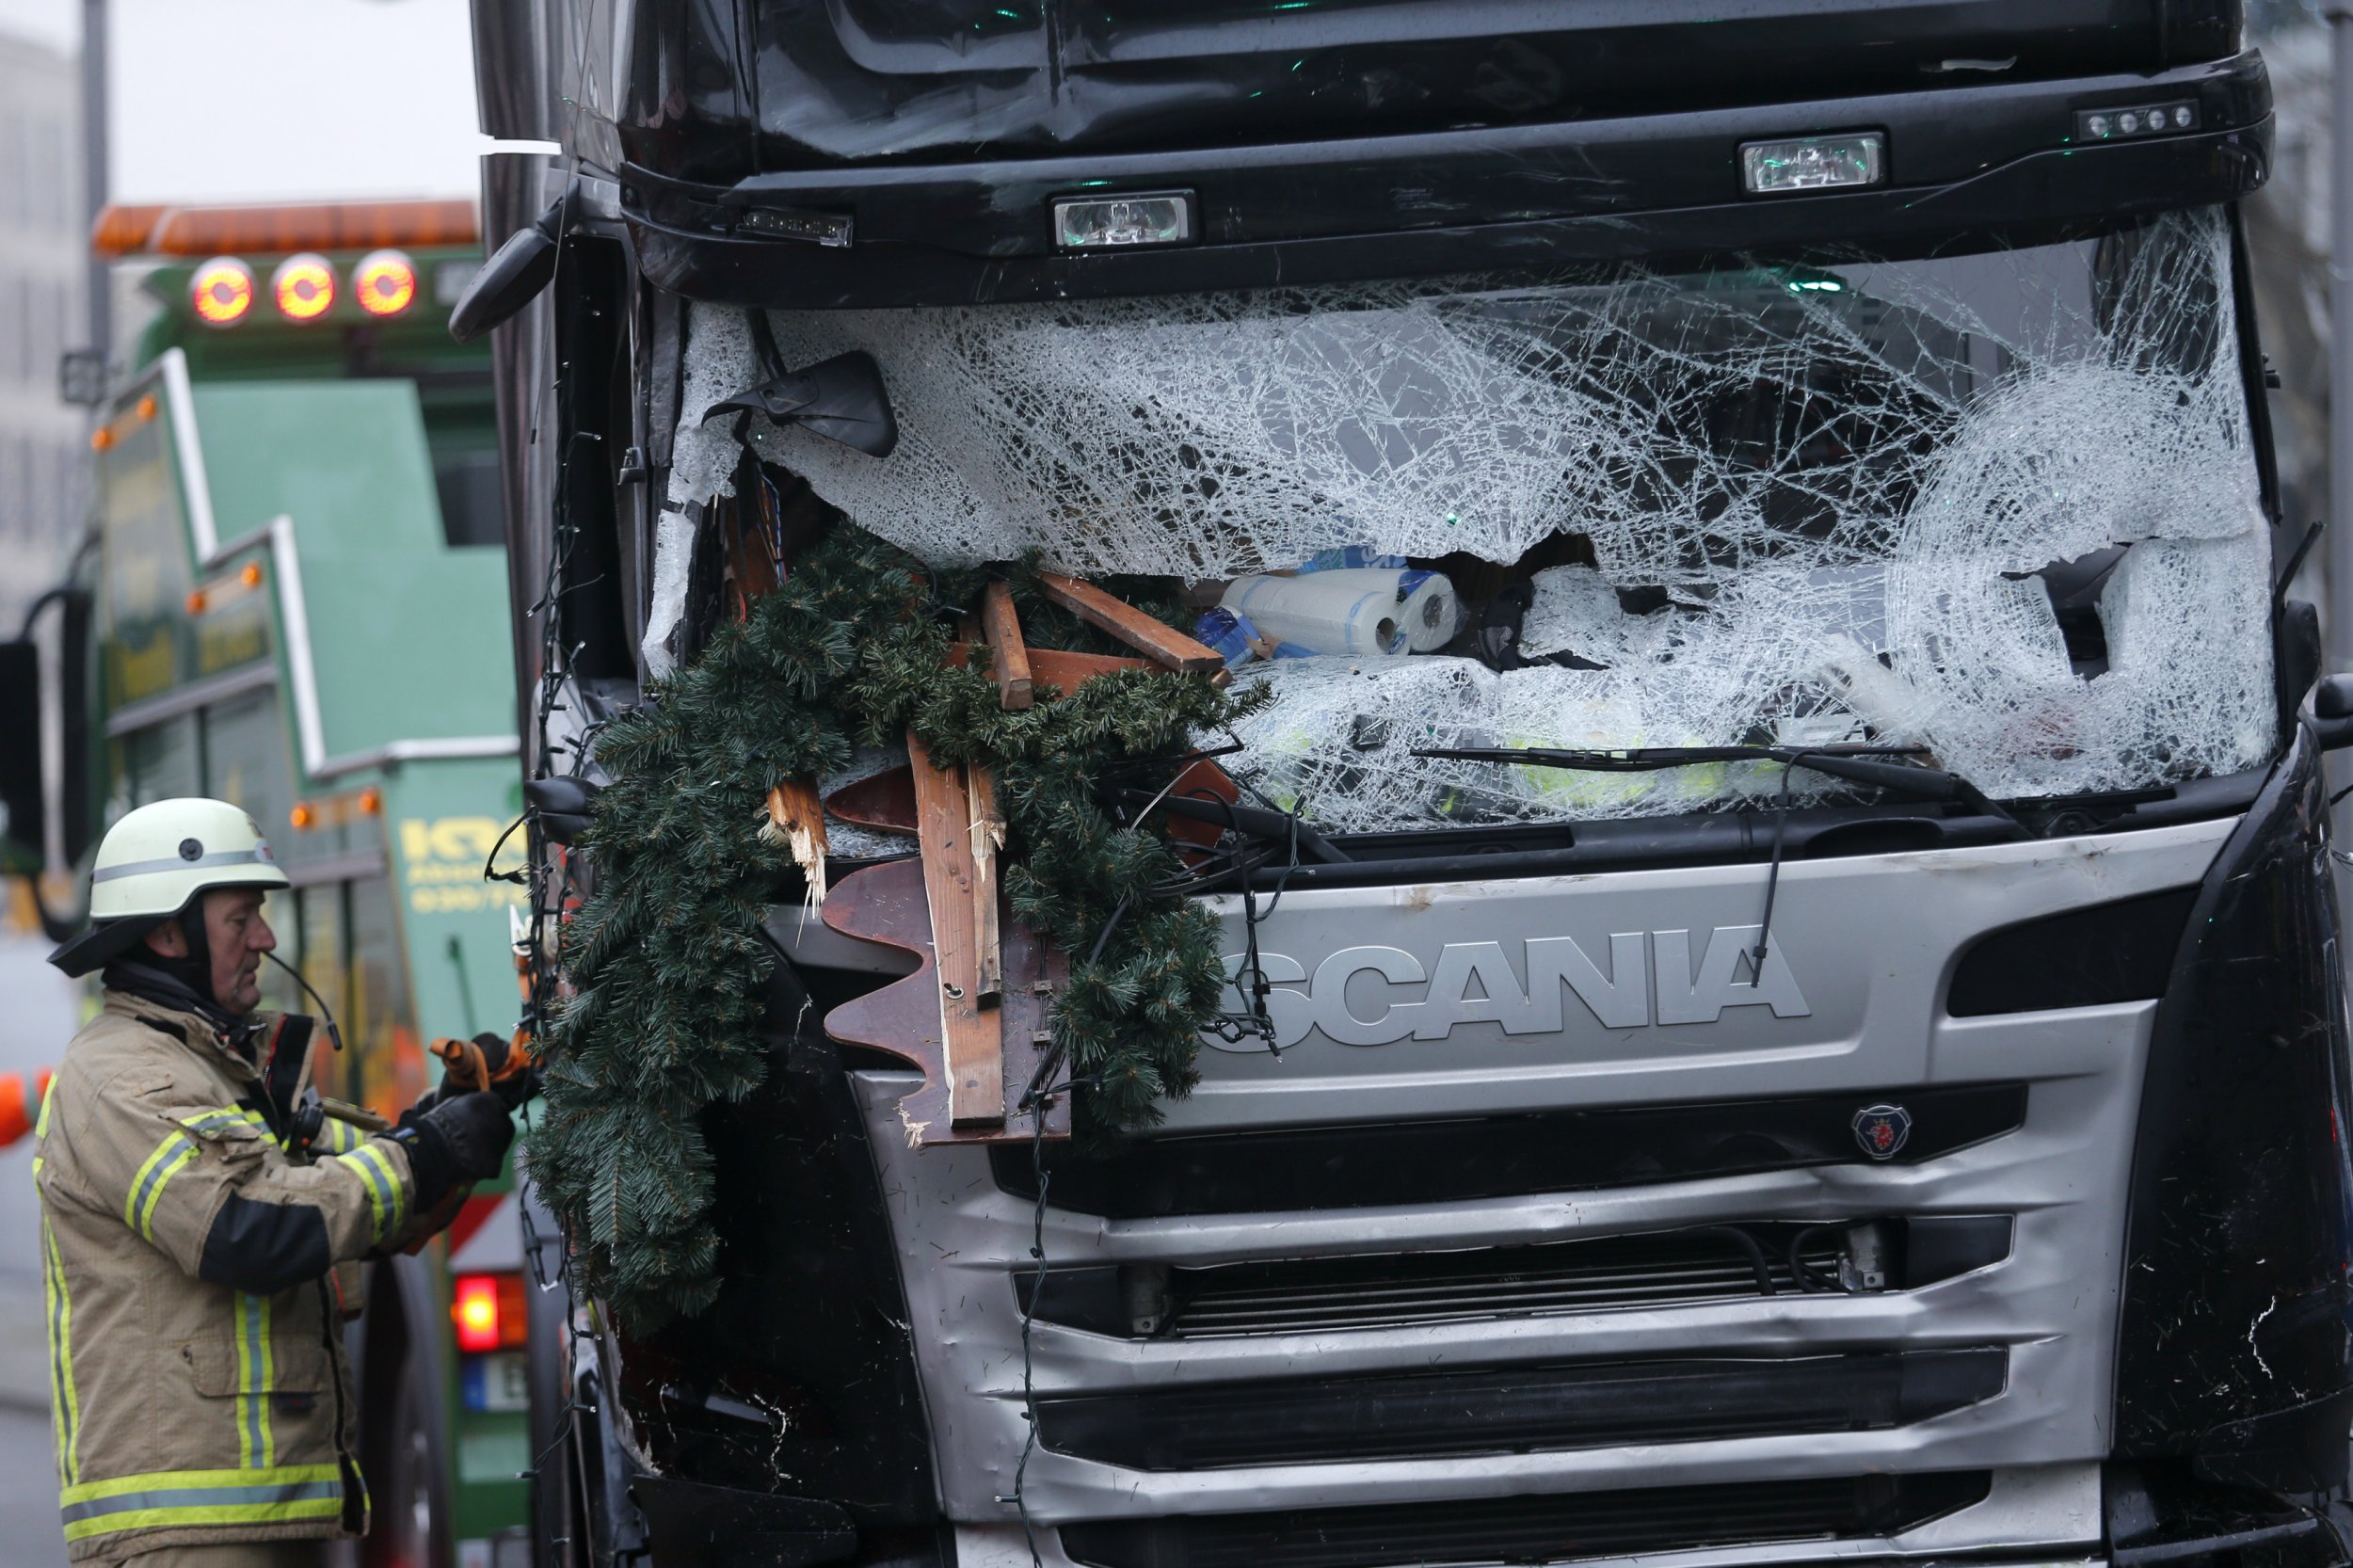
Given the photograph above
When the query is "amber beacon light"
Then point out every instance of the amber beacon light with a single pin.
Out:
(221, 291)
(384, 282)
(303, 287)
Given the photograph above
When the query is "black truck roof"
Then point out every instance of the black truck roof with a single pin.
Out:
(865, 152)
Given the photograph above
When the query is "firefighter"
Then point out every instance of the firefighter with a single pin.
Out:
(202, 1410)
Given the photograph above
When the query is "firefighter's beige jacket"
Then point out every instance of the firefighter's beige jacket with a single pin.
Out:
(188, 1411)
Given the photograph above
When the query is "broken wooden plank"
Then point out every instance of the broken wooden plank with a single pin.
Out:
(985, 824)
(971, 1036)
(1163, 645)
(796, 818)
(1063, 672)
(988, 843)
(1008, 655)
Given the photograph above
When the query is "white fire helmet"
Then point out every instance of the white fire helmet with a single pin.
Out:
(157, 859)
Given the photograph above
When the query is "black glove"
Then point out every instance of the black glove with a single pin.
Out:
(524, 1086)
(463, 1139)
(493, 1047)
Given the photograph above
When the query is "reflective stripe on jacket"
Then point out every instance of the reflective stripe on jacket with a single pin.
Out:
(197, 1373)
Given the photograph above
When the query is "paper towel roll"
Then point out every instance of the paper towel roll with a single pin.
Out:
(1362, 612)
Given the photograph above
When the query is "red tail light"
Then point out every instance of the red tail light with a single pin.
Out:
(487, 1311)
(304, 287)
(221, 291)
(384, 282)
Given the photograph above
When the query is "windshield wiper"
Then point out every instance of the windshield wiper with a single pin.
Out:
(1858, 764)
(1251, 821)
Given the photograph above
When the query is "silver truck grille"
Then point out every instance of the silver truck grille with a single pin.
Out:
(1674, 1277)
(1706, 1263)
(1510, 1206)
(1530, 1530)
(1437, 1413)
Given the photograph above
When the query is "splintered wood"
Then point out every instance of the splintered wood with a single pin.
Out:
(796, 818)
(988, 843)
(971, 1036)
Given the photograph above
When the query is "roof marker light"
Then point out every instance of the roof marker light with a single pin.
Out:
(1122, 221)
(303, 287)
(221, 291)
(1813, 163)
(384, 282)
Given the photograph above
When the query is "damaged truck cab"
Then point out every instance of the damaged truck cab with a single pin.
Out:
(1786, 1000)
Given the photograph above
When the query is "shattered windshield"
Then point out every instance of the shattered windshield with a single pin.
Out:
(2002, 505)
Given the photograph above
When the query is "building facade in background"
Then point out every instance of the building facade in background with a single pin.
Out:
(43, 255)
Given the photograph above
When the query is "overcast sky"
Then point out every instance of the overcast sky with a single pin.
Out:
(261, 100)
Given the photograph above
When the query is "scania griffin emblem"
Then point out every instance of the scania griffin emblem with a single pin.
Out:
(1880, 1129)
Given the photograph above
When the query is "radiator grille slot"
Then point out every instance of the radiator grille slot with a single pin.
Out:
(1607, 1274)
(1420, 1163)
(1396, 1295)
(1519, 1409)
(1531, 1529)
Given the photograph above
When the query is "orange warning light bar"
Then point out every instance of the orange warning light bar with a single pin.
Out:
(122, 230)
(278, 230)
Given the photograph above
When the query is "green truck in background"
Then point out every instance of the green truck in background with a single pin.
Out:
(293, 596)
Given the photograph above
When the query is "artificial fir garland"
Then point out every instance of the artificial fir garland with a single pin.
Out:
(665, 956)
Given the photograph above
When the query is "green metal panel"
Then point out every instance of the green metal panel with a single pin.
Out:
(407, 635)
(492, 1453)
(347, 460)
(147, 638)
(441, 819)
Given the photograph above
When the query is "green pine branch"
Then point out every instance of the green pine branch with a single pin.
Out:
(665, 958)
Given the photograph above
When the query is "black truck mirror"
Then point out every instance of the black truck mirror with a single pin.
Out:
(24, 811)
(842, 399)
(562, 805)
(25, 807)
(2332, 711)
(512, 278)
